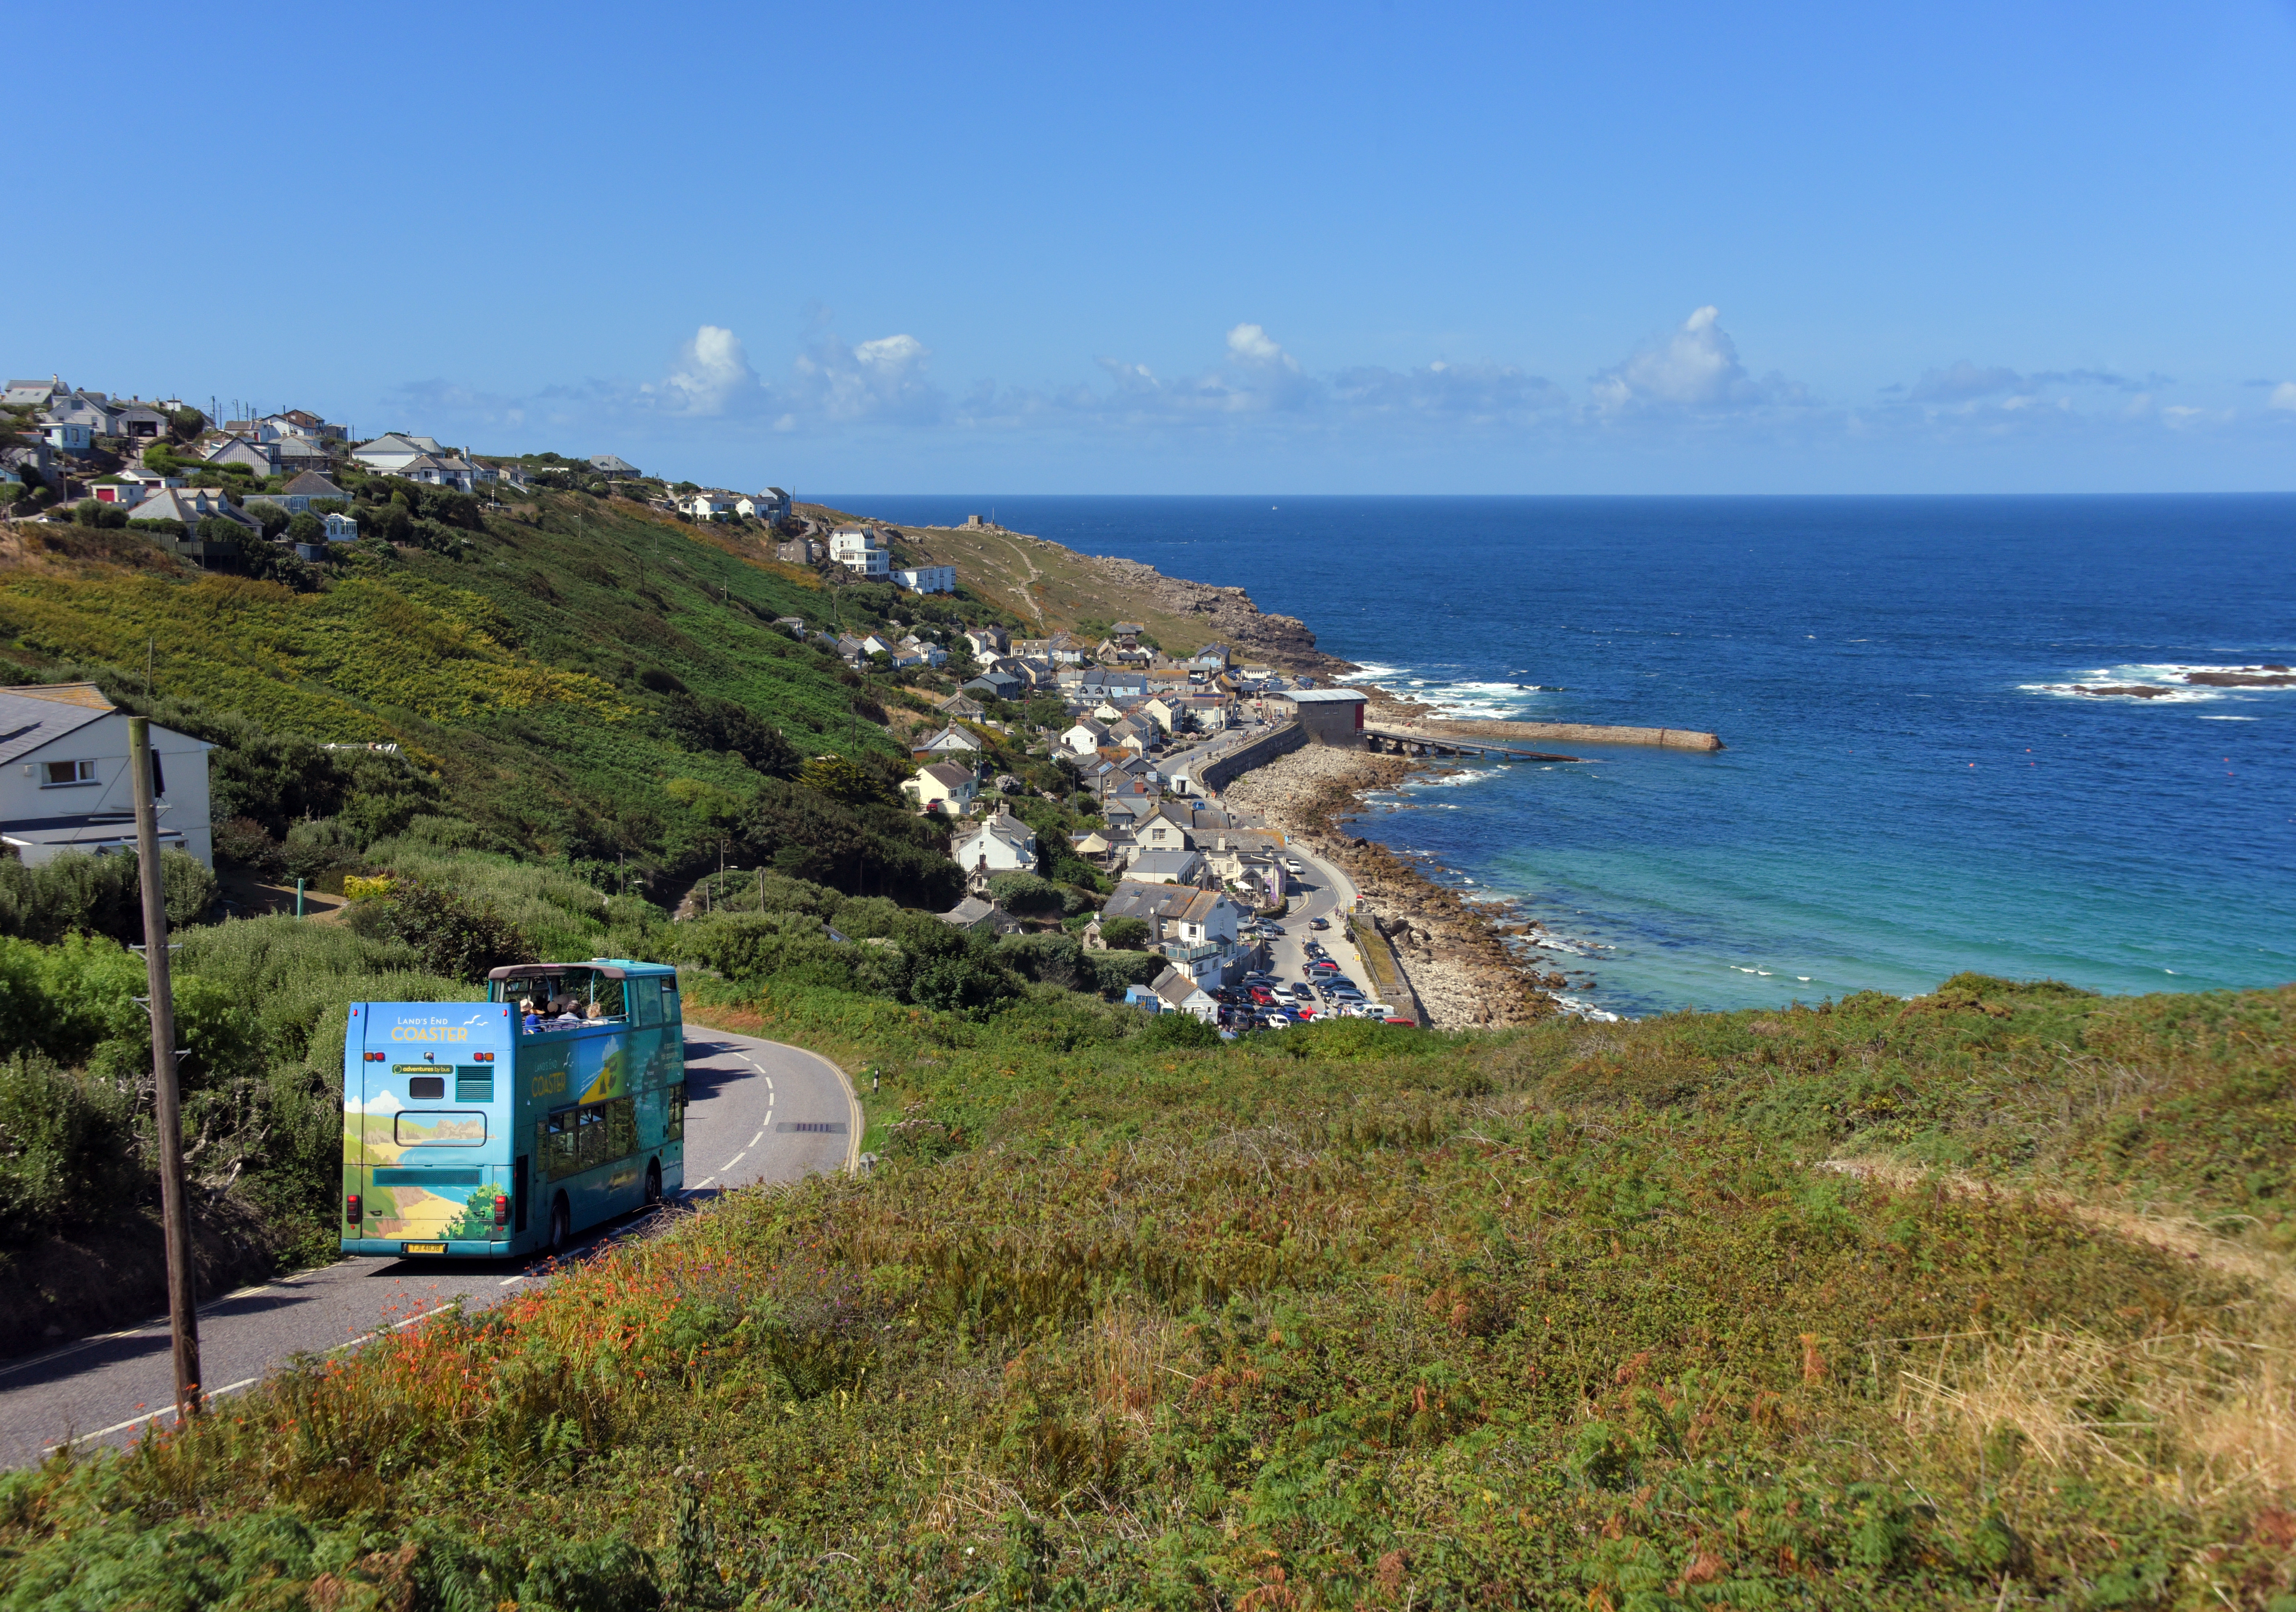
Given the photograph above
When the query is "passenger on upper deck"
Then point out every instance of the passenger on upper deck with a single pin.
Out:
(530, 1020)
(597, 1013)
(567, 1018)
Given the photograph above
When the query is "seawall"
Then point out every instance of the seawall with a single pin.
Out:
(1567, 733)
(1259, 753)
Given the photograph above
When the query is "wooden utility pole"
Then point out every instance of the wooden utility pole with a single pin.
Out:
(182, 1319)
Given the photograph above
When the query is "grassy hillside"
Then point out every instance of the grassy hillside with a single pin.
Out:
(1976, 1300)
(535, 666)
(1051, 588)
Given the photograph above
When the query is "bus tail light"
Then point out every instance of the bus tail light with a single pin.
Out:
(501, 1210)
(351, 1208)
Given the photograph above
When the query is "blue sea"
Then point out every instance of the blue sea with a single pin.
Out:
(1912, 785)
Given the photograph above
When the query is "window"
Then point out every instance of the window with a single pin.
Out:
(60, 774)
(574, 1139)
(427, 1088)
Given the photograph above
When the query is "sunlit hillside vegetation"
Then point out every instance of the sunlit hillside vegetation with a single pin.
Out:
(1976, 1300)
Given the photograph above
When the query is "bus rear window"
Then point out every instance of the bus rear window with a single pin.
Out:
(437, 1128)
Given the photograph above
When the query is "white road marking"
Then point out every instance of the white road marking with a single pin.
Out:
(737, 1158)
(760, 1136)
(121, 1427)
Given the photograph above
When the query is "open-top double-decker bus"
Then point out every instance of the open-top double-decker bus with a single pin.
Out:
(483, 1129)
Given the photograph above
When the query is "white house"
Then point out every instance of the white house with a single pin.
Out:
(1165, 867)
(445, 467)
(946, 745)
(861, 549)
(1181, 994)
(928, 580)
(256, 456)
(944, 784)
(1088, 736)
(64, 782)
(770, 505)
(340, 527)
(1165, 829)
(709, 505)
(394, 451)
(1002, 844)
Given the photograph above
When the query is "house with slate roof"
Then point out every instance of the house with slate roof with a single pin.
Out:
(944, 784)
(1001, 844)
(302, 493)
(64, 779)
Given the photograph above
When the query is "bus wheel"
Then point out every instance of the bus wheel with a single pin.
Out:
(562, 1225)
(653, 1183)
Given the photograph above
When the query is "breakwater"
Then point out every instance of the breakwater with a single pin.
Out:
(1215, 776)
(1566, 732)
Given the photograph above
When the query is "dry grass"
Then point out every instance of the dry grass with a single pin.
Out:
(2215, 1416)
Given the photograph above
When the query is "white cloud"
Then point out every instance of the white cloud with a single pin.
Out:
(879, 380)
(2283, 396)
(1251, 344)
(713, 377)
(1695, 367)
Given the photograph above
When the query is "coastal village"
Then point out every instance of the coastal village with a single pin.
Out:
(1264, 914)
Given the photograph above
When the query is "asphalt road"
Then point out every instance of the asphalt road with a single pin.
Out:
(1323, 892)
(746, 1100)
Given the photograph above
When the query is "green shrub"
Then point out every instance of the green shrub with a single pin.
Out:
(1112, 970)
(453, 934)
(67, 1147)
(1172, 1029)
(1125, 934)
(1026, 894)
(96, 512)
(242, 843)
(187, 889)
(317, 847)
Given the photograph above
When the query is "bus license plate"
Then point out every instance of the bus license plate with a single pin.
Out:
(422, 1248)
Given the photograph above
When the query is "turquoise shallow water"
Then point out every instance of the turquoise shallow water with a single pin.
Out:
(1912, 787)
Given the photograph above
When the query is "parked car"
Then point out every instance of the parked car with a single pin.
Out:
(1295, 867)
(1323, 964)
(1409, 1024)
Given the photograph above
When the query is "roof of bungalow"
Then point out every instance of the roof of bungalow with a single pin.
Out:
(948, 774)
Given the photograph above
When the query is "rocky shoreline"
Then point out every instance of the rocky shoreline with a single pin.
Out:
(1454, 951)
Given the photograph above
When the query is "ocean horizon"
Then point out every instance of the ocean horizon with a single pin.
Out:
(1916, 782)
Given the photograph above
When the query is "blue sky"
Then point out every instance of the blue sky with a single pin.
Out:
(1329, 247)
